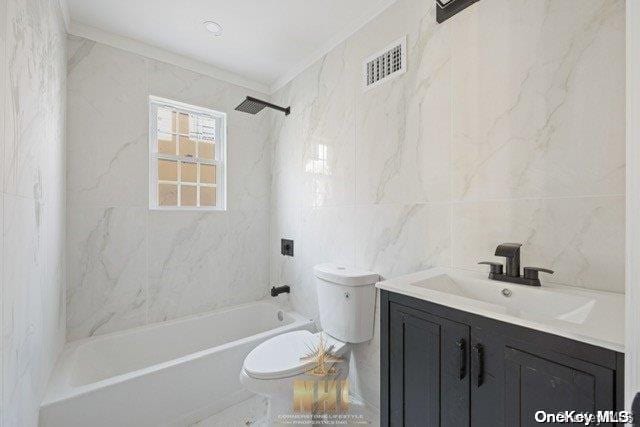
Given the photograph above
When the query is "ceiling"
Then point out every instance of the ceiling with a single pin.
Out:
(264, 41)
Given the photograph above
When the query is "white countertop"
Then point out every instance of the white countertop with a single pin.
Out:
(592, 317)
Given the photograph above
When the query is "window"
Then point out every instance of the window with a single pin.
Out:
(187, 152)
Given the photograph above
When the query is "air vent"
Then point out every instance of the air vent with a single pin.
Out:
(386, 65)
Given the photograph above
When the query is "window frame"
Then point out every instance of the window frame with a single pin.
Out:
(220, 156)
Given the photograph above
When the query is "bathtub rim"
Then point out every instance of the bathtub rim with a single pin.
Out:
(59, 388)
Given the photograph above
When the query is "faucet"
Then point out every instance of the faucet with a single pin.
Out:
(280, 290)
(511, 251)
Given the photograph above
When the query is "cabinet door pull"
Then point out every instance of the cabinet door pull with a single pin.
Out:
(479, 352)
(462, 354)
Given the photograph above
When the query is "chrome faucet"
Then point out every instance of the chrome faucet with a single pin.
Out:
(511, 251)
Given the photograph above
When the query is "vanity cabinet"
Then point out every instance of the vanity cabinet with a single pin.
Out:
(427, 366)
(445, 367)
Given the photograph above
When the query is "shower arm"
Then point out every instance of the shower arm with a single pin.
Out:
(286, 110)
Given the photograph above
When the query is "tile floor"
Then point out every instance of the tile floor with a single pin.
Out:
(253, 412)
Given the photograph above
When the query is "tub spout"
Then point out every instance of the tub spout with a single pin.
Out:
(279, 290)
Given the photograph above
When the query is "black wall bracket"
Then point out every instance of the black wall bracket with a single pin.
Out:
(447, 8)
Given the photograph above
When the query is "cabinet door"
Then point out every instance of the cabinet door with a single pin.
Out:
(533, 383)
(428, 370)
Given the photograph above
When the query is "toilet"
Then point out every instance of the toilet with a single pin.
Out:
(346, 299)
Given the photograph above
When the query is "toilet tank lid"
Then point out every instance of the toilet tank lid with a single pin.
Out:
(343, 275)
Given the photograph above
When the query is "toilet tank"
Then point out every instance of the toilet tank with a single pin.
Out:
(346, 298)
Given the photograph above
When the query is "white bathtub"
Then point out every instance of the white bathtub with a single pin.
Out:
(170, 373)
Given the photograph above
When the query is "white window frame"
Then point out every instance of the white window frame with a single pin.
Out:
(220, 160)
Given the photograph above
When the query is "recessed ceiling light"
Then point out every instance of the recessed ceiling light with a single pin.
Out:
(213, 27)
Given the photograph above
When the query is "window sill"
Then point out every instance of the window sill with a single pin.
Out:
(187, 209)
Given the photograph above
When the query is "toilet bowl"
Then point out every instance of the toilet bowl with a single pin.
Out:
(346, 300)
(274, 366)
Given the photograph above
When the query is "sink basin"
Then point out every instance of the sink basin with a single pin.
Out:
(588, 316)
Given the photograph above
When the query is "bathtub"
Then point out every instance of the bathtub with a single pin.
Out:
(166, 374)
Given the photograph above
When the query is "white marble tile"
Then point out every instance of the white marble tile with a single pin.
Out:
(287, 151)
(2, 297)
(399, 239)
(248, 246)
(581, 239)
(202, 261)
(197, 261)
(362, 412)
(403, 127)
(251, 412)
(328, 133)
(4, 86)
(54, 283)
(32, 86)
(284, 270)
(254, 412)
(3, 91)
(23, 278)
(364, 375)
(53, 96)
(107, 126)
(25, 112)
(327, 235)
(188, 263)
(248, 168)
(107, 253)
(169, 81)
(538, 99)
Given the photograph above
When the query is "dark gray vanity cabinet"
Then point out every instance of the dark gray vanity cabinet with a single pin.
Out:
(445, 367)
(434, 351)
(533, 383)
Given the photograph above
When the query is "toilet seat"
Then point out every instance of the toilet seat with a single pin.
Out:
(280, 357)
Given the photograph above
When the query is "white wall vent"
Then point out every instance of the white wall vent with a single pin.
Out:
(385, 65)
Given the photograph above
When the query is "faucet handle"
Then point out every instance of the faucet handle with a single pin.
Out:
(532, 272)
(495, 267)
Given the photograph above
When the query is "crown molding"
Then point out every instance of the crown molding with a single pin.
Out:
(327, 47)
(153, 52)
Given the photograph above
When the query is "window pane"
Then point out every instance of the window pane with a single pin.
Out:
(166, 143)
(188, 195)
(166, 120)
(183, 123)
(187, 146)
(207, 128)
(189, 172)
(208, 174)
(167, 170)
(206, 150)
(207, 196)
(167, 195)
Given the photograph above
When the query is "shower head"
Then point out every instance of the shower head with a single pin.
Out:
(253, 105)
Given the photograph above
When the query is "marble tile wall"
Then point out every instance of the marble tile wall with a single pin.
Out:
(509, 125)
(33, 204)
(129, 266)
